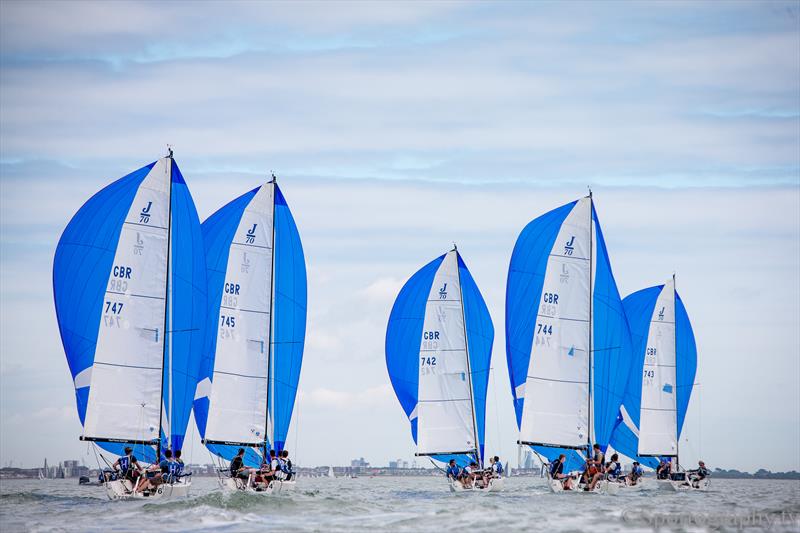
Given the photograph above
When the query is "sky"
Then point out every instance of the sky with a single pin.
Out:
(396, 129)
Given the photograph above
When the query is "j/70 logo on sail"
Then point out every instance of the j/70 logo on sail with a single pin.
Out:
(251, 235)
(443, 292)
(138, 248)
(144, 216)
(569, 247)
(661, 314)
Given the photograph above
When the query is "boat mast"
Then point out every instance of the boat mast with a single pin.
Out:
(591, 324)
(268, 439)
(675, 396)
(469, 370)
(166, 316)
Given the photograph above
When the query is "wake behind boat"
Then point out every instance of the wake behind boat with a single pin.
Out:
(438, 350)
(257, 300)
(129, 288)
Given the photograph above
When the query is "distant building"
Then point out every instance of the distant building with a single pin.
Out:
(528, 464)
(359, 463)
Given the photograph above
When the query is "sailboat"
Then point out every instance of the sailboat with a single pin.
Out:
(257, 300)
(660, 384)
(567, 341)
(330, 472)
(129, 286)
(438, 350)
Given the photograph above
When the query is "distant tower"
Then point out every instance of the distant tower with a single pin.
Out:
(46, 471)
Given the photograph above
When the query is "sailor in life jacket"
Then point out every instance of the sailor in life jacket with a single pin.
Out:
(496, 467)
(636, 473)
(275, 464)
(453, 471)
(179, 465)
(128, 466)
(287, 464)
(613, 468)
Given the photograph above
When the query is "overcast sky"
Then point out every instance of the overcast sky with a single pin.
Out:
(396, 129)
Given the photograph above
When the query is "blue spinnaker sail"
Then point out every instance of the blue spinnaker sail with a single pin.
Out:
(639, 308)
(404, 337)
(289, 330)
(92, 296)
(534, 251)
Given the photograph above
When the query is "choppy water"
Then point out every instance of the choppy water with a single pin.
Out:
(403, 504)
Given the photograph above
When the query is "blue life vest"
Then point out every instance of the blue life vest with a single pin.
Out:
(124, 464)
(554, 468)
(453, 471)
(637, 470)
(282, 465)
(617, 470)
(498, 467)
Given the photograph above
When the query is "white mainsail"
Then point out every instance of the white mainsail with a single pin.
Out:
(125, 396)
(658, 427)
(446, 422)
(238, 399)
(556, 411)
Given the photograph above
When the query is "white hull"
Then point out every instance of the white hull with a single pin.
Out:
(122, 489)
(601, 487)
(495, 485)
(229, 484)
(683, 486)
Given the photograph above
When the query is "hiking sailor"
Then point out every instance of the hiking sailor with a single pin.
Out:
(696, 476)
(557, 472)
(453, 471)
(128, 466)
(636, 474)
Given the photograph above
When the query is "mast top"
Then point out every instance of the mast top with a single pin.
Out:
(273, 176)
(590, 190)
(169, 149)
(455, 248)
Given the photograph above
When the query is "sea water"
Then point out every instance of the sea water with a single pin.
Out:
(403, 504)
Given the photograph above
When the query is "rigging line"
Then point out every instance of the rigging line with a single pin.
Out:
(297, 431)
(496, 411)
(436, 466)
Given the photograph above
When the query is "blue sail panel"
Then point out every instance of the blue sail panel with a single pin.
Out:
(523, 292)
(403, 334)
(188, 305)
(290, 317)
(686, 360)
(480, 337)
(218, 231)
(610, 344)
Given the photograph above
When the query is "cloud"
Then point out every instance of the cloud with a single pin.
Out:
(383, 289)
(371, 398)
